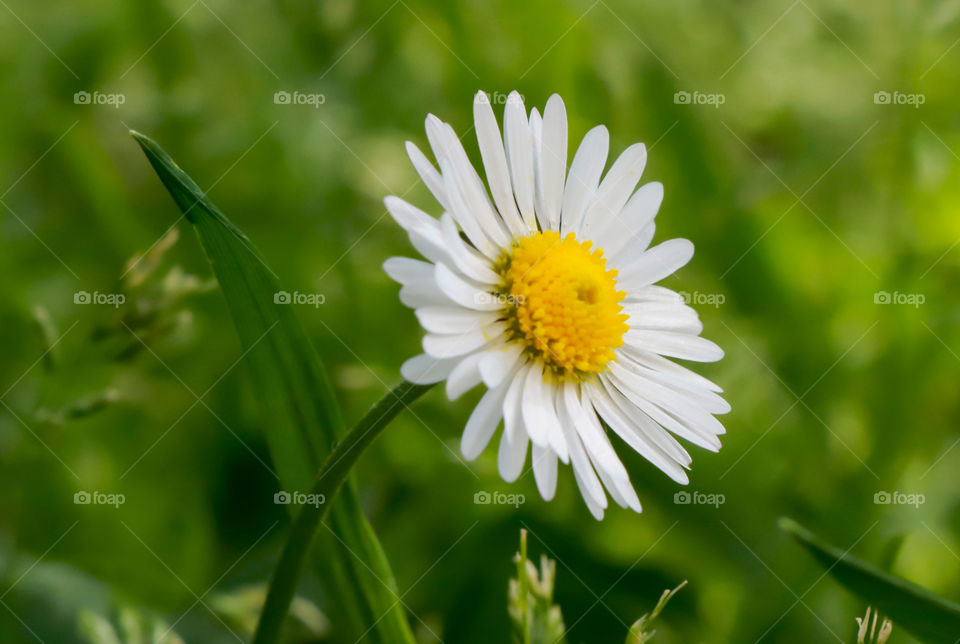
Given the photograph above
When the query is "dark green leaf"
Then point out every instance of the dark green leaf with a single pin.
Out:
(301, 417)
(915, 609)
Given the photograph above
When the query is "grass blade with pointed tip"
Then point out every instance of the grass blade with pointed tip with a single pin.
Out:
(915, 609)
(302, 418)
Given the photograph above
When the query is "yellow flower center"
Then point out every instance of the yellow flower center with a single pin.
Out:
(565, 305)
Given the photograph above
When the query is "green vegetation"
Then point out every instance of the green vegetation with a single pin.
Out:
(814, 166)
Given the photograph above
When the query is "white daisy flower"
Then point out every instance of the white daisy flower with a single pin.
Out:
(546, 295)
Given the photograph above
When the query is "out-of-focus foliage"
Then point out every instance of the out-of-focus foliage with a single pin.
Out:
(874, 629)
(134, 628)
(533, 615)
(825, 220)
(642, 629)
(300, 408)
(928, 616)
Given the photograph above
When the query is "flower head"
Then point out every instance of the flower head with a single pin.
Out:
(543, 290)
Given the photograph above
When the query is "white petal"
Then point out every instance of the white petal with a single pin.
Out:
(426, 370)
(655, 294)
(453, 319)
(674, 345)
(464, 293)
(498, 362)
(545, 471)
(471, 189)
(512, 455)
(584, 177)
(431, 178)
(635, 436)
(512, 412)
(586, 477)
(405, 270)
(621, 492)
(648, 428)
(482, 423)
(691, 389)
(411, 218)
(655, 264)
(625, 229)
(465, 258)
(540, 414)
(434, 129)
(660, 402)
(495, 162)
(595, 509)
(430, 245)
(639, 243)
(661, 364)
(630, 248)
(536, 135)
(519, 149)
(590, 431)
(683, 412)
(605, 460)
(615, 189)
(678, 318)
(465, 215)
(423, 293)
(448, 346)
(553, 160)
(423, 230)
(533, 406)
(464, 377)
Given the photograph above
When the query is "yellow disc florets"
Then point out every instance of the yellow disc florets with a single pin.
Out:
(563, 303)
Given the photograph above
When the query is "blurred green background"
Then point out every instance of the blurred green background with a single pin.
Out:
(807, 195)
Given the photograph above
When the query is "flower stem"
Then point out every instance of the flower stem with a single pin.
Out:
(329, 479)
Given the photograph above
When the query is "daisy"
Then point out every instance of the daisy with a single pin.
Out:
(545, 294)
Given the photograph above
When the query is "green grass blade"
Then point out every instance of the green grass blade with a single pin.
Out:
(927, 616)
(301, 416)
(331, 476)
